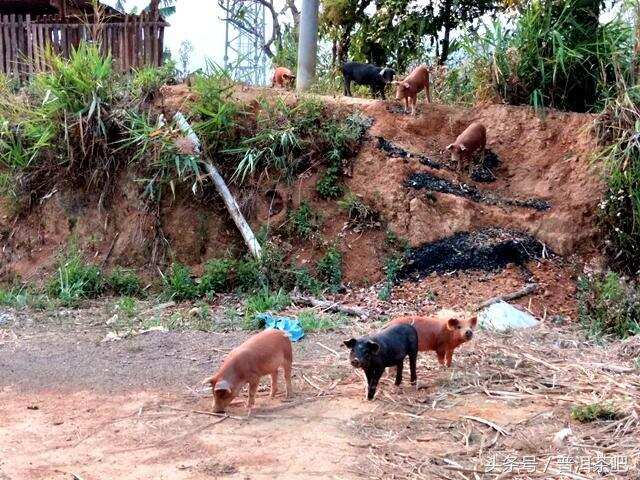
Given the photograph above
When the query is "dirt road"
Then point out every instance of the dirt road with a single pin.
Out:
(73, 405)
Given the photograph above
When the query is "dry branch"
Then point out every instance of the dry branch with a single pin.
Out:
(526, 290)
(330, 306)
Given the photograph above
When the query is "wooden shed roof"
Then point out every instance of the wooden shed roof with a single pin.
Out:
(51, 7)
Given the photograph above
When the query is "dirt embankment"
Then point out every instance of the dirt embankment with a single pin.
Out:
(541, 161)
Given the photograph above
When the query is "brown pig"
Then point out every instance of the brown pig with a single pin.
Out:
(262, 354)
(411, 86)
(282, 77)
(473, 138)
(441, 333)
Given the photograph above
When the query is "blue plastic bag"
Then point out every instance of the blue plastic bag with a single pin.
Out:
(291, 326)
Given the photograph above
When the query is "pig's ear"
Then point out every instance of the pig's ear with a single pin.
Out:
(222, 386)
(474, 321)
(373, 346)
(450, 146)
(211, 380)
(453, 323)
(350, 343)
(462, 147)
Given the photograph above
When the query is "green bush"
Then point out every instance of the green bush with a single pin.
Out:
(609, 305)
(313, 322)
(146, 81)
(75, 280)
(20, 297)
(260, 302)
(178, 284)
(127, 306)
(361, 215)
(329, 184)
(248, 274)
(329, 268)
(216, 277)
(124, 281)
(595, 411)
(303, 222)
(551, 57)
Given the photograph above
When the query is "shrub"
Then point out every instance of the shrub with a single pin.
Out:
(609, 305)
(396, 250)
(361, 215)
(303, 221)
(551, 57)
(127, 306)
(178, 284)
(313, 322)
(75, 280)
(146, 81)
(216, 277)
(595, 411)
(19, 297)
(330, 184)
(262, 302)
(329, 268)
(124, 281)
(619, 211)
(248, 274)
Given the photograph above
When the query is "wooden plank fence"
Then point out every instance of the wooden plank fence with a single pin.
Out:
(133, 41)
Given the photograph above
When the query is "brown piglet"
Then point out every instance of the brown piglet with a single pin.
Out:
(409, 88)
(282, 77)
(441, 333)
(262, 354)
(473, 139)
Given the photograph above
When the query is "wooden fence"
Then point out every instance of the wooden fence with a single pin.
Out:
(133, 41)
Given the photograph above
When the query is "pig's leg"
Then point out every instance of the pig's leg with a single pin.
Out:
(414, 101)
(413, 358)
(449, 356)
(428, 91)
(382, 92)
(399, 368)
(347, 87)
(253, 388)
(373, 376)
(406, 104)
(441, 355)
(287, 379)
(274, 383)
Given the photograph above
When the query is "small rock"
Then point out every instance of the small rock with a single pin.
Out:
(112, 320)
(560, 438)
(110, 337)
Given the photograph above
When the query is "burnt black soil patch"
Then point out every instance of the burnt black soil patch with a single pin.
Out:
(484, 170)
(398, 152)
(430, 182)
(489, 249)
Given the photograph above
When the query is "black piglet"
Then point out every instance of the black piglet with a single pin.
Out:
(385, 349)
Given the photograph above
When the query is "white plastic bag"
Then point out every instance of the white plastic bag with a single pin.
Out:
(502, 316)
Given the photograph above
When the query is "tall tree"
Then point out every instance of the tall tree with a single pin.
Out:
(338, 20)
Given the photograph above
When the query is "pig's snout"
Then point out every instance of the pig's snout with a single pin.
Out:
(468, 334)
(356, 363)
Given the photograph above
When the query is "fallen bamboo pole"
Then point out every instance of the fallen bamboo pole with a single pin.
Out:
(223, 190)
(331, 306)
(526, 290)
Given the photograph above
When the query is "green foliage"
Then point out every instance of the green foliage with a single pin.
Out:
(278, 142)
(609, 305)
(286, 54)
(216, 277)
(20, 297)
(216, 111)
(162, 161)
(619, 211)
(303, 222)
(329, 184)
(595, 411)
(329, 268)
(396, 250)
(311, 321)
(75, 280)
(127, 307)
(178, 284)
(146, 81)
(248, 274)
(260, 302)
(124, 281)
(552, 57)
(361, 216)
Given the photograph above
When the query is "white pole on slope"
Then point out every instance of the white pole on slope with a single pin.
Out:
(223, 190)
(307, 44)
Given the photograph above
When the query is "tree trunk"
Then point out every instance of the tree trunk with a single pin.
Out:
(446, 13)
(343, 46)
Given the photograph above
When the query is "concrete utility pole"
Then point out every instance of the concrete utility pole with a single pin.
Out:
(307, 44)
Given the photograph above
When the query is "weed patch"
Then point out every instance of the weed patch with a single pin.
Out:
(595, 411)
(124, 281)
(217, 277)
(609, 305)
(263, 302)
(303, 222)
(75, 280)
(329, 268)
(178, 284)
(314, 322)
